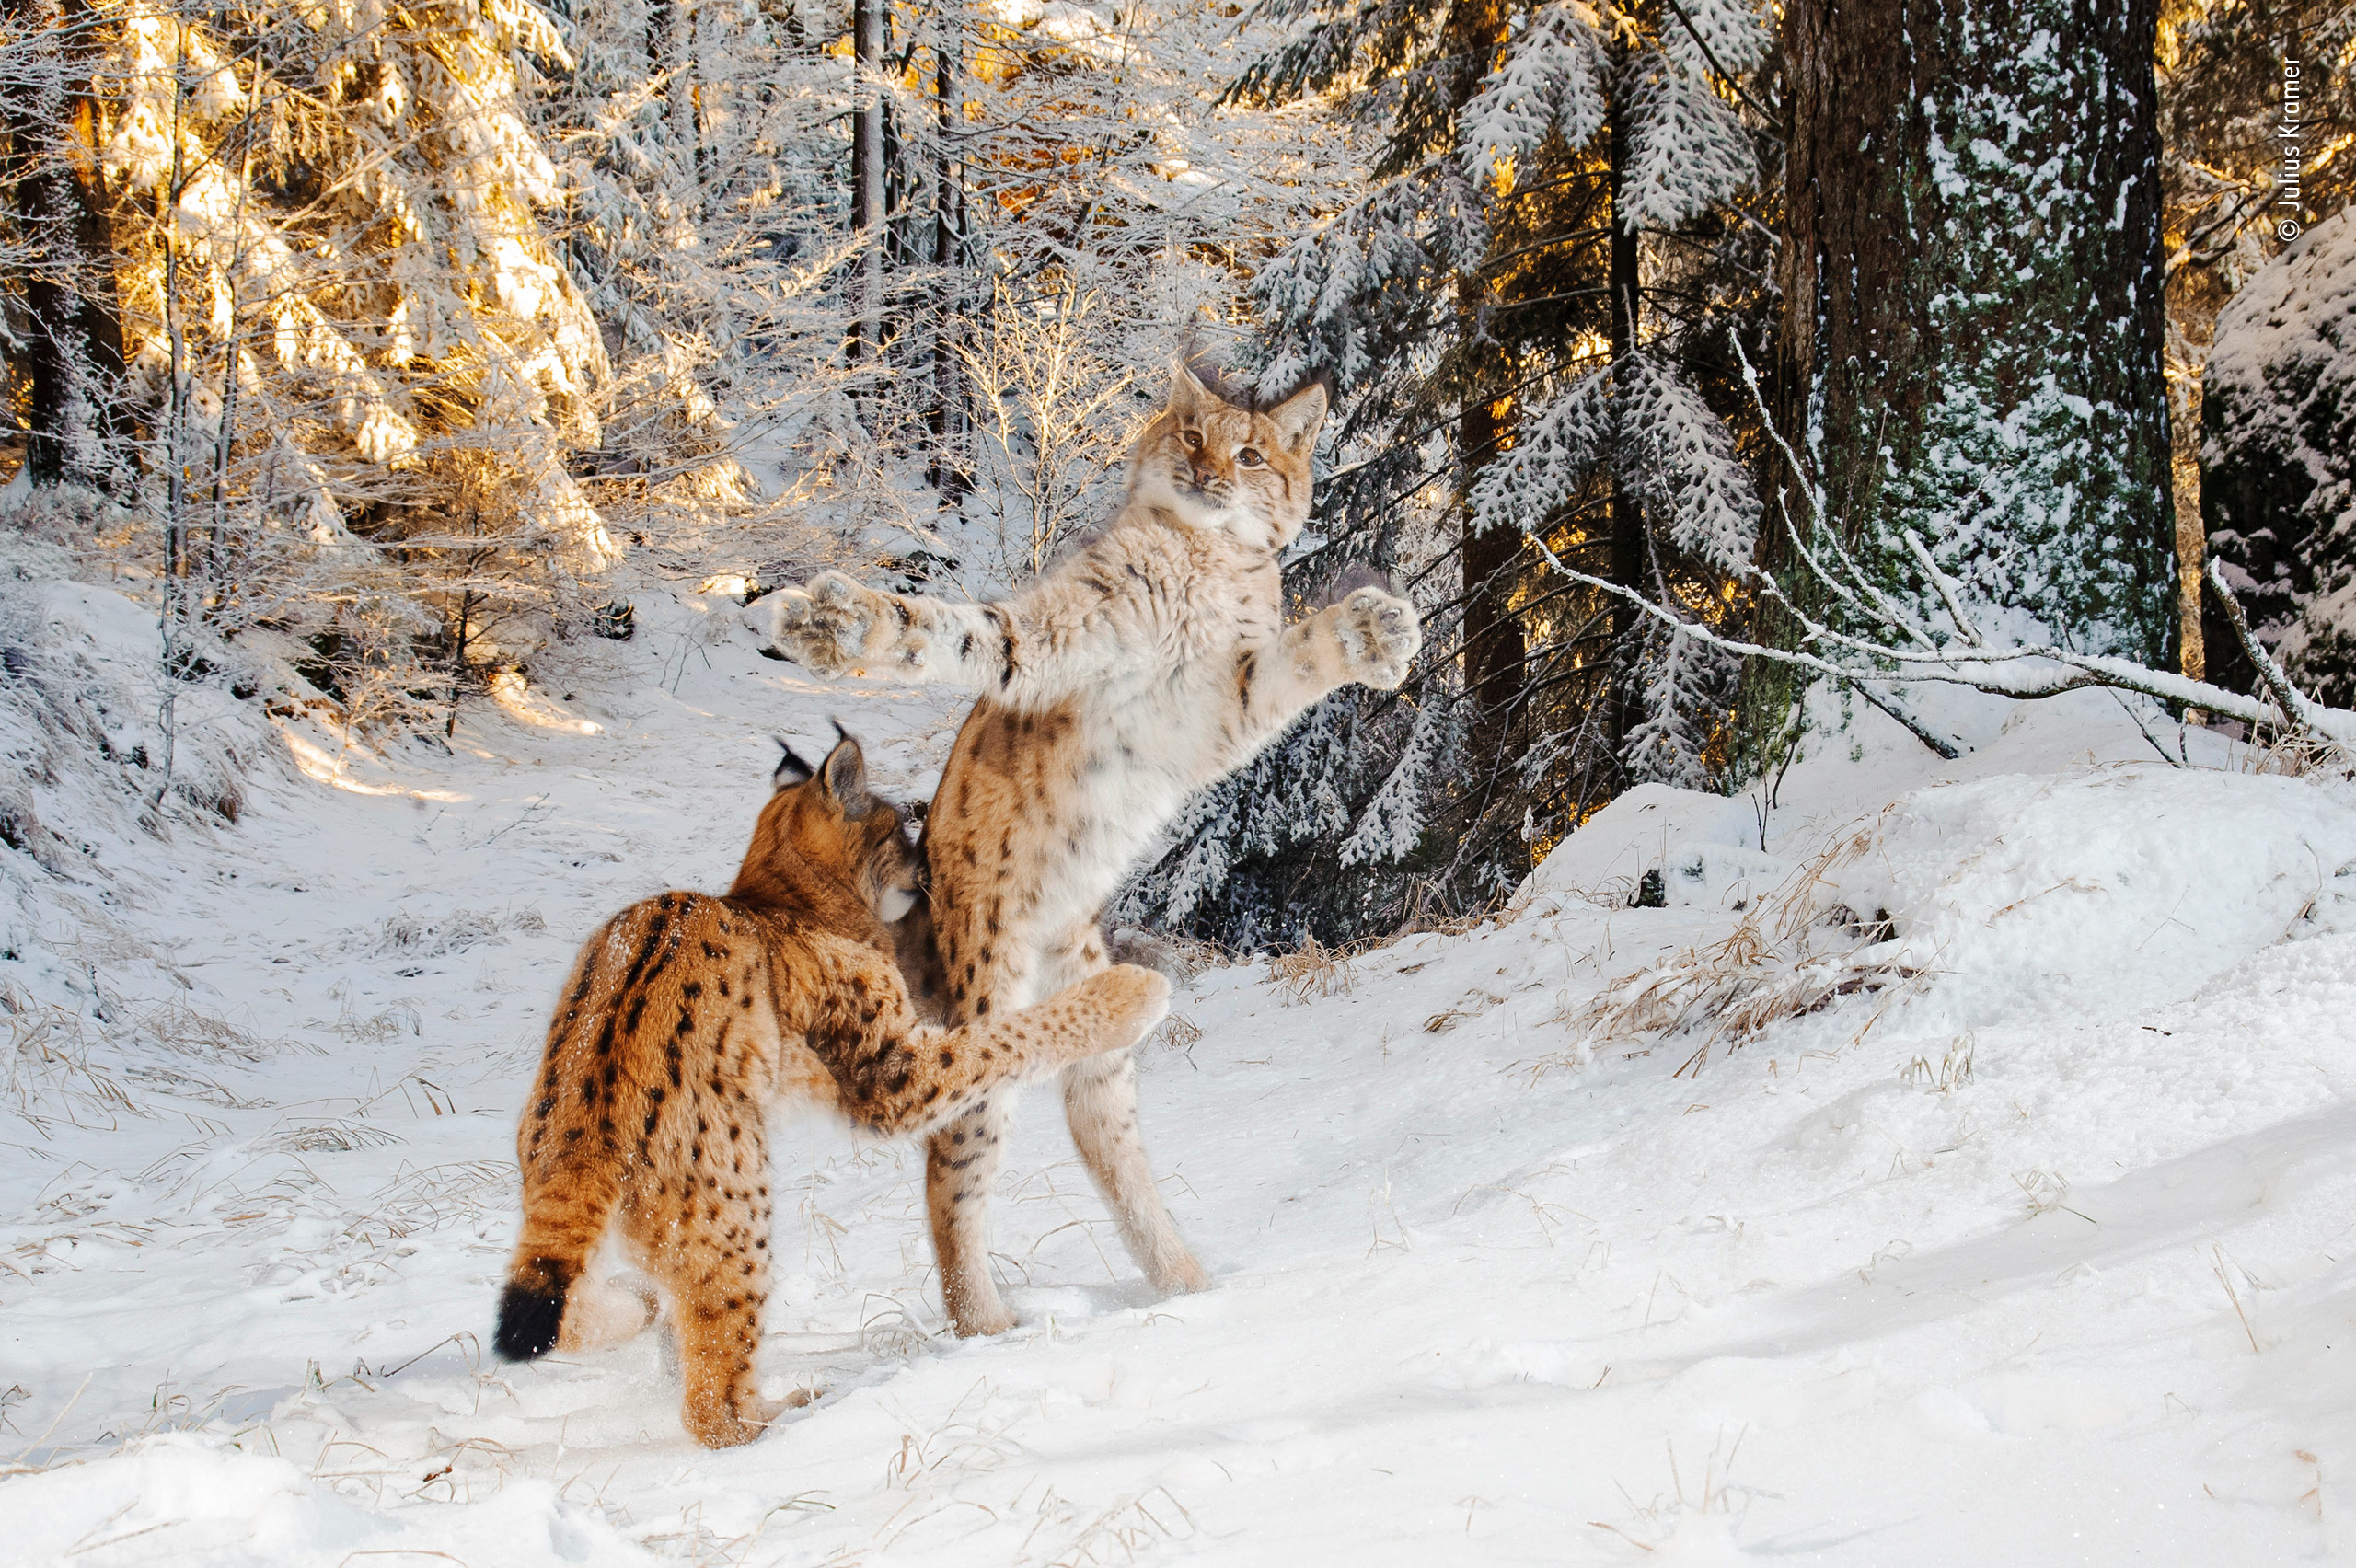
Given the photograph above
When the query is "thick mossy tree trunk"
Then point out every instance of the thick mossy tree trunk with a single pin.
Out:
(1972, 345)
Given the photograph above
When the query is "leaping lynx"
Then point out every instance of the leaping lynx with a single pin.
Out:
(1150, 663)
(685, 1017)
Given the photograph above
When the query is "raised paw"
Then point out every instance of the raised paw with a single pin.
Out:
(1133, 1000)
(1379, 635)
(831, 625)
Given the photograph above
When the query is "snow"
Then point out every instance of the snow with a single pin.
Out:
(2035, 1258)
(1613, 848)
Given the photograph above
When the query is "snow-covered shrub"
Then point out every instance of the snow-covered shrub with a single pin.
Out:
(2278, 463)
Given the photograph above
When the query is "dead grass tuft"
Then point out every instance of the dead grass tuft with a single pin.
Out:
(336, 1135)
(1313, 970)
(1772, 967)
(1178, 1033)
(45, 1069)
(2299, 757)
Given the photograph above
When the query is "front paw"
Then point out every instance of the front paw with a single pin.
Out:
(829, 626)
(1379, 635)
(1135, 1001)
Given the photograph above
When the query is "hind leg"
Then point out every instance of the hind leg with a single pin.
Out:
(605, 1310)
(960, 1168)
(712, 1259)
(1101, 1104)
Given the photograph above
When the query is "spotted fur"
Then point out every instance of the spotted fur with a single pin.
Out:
(685, 1019)
(1150, 663)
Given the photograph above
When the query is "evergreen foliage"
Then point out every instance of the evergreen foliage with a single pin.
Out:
(1525, 320)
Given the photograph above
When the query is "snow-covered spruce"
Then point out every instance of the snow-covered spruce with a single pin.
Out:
(1491, 392)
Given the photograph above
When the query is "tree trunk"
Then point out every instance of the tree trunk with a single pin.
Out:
(1974, 322)
(870, 23)
(948, 477)
(1627, 516)
(74, 357)
(1496, 645)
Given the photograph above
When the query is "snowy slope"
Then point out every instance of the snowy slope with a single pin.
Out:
(1969, 1268)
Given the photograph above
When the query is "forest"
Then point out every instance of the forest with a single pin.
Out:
(394, 344)
(1813, 1024)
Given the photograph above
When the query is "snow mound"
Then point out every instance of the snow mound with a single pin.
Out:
(2012, 898)
(1643, 828)
(93, 784)
(1705, 847)
(2024, 894)
(256, 1509)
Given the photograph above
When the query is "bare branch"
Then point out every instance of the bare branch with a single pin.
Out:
(2026, 672)
(1969, 632)
(2304, 714)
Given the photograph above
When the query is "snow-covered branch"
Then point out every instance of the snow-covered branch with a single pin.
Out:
(2028, 671)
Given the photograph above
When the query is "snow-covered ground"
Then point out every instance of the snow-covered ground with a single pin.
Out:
(2036, 1243)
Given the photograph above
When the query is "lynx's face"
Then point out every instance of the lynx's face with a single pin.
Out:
(1217, 464)
(826, 818)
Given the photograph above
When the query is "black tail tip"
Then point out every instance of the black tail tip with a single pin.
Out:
(528, 1322)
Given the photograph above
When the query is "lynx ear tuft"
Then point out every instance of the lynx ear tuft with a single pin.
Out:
(1298, 417)
(791, 768)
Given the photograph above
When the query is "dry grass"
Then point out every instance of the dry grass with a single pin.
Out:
(1116, 1535)
(47, 1073)
(429, 1197)
(338, 1134)
(961, 1444)
(79, 1068)
(2298, 756)
(1796, 952)
(1313, 971)
(1178, 1033)
(190, 1032)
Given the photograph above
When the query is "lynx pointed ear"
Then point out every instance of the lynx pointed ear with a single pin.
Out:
(791, 768)
(1298, 417)
(1187, 394)
(843, 775)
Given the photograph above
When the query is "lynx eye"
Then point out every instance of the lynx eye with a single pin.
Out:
(1193, 438)
(1250, 458)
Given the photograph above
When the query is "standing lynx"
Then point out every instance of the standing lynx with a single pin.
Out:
(685, 1017)
(1150, 663)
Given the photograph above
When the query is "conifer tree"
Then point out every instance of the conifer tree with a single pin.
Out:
(1526, 321)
